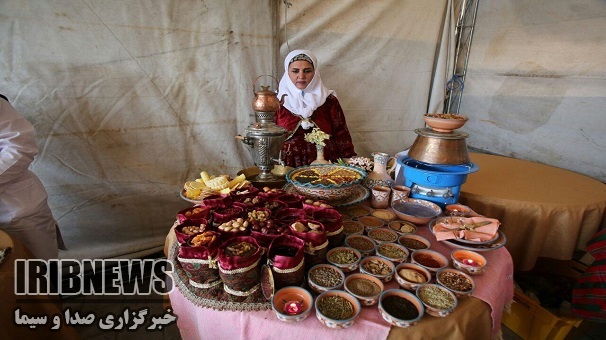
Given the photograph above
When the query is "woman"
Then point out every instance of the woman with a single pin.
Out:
(24, 211)
(308, 103)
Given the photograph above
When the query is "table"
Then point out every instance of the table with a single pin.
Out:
(32, 305)
(545, 211)
(472, 318)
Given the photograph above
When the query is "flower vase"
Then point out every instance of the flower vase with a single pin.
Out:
(380, 175)
(320, 156)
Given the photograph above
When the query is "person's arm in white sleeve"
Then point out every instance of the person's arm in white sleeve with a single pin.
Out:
(17, 144)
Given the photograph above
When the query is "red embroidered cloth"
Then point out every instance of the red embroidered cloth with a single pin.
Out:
(329, 118)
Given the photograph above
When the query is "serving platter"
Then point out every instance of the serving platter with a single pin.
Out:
(358, 194)
(500, 242)
(433, 223)
(191, 200)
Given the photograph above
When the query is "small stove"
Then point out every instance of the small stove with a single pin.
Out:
(438, 183)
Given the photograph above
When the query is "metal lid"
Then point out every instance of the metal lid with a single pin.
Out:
(267, 282)
(428, 132)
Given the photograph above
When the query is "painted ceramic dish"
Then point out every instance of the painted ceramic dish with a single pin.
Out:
(400, 308)
(364, 287)
(415, 210)
(468, 261)
(329, 182)
(359, 193)
(410, 276)
(342, 317)
(292, 304)
(444, 122)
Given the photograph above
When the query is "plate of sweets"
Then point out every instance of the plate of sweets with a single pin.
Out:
(470, 230)
(475, 233)
(208, 185)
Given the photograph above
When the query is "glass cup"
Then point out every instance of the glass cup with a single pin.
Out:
(380, 197)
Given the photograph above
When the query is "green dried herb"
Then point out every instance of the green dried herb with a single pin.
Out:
(336, 307)
(342, 257)
(390, 251)
(436, 297)
(325, 277)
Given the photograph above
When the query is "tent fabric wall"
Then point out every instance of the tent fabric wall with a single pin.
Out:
(131, 99)
(536, 83)
(377, 55)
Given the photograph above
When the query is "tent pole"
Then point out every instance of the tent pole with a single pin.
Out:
(463, 35)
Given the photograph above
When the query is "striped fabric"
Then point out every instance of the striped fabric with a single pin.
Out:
(589, 293)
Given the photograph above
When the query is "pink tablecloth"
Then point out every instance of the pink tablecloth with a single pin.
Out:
(495, 287)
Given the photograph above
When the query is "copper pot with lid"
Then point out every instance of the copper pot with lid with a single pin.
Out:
(266, 100)
(439, 148)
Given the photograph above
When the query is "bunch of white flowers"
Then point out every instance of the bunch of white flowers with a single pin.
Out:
(317, 137)
(364, 163)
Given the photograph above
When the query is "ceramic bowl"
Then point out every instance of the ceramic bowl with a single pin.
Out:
(328, 182)
(371, 222)
(352, 227)
(422, 256)
(415, 210)
(390, 252)
(338, 323)
(368, 261)
(384, 214)
(319, 288)
(431, 307)
(414, 242)
(358, 210)
(405, 282)
(459, 277)
(289, 300)
(445, 122)
(468, 261)
(402, 227)
(383, 235)
(391, 318)
(345, 267)
(457, 210)
(364, 244)
(366, 297)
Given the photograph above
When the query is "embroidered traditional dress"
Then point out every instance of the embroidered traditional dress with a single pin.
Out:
(316, 106)
(329, 118)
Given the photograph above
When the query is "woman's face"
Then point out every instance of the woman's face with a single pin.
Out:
(301, 73)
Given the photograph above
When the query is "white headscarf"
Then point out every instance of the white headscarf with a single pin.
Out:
(303, 103)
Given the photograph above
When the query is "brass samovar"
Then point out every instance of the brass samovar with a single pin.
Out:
(263, 136)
